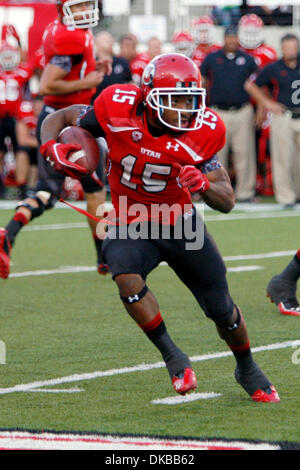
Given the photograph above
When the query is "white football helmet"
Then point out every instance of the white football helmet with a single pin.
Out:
(84, 18)
(9, 57)
(251, 31)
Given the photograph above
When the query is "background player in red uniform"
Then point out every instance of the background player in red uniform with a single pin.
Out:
(14, 75)
(162, 144)
(70, 76)
(26, 156)
(183, 43)
(251, 38)
(204, 37)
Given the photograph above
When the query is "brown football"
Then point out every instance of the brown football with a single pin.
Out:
(89, 156)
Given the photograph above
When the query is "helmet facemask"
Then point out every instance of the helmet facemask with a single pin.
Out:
(82, 19)
(251, 31)
(185, 47)
(160, 99)
(9, 59)
(250, 36)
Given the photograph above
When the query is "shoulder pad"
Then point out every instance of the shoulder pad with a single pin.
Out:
(69, 42)
(117, 102)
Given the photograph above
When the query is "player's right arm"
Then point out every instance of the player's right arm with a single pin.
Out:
(57, 154)
(53, 81)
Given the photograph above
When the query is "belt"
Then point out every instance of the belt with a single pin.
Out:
(230, 108)
(294, 113)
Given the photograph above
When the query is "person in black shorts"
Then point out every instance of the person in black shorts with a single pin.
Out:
(163, 145)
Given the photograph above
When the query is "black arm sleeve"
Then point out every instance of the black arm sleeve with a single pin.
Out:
(87, 119)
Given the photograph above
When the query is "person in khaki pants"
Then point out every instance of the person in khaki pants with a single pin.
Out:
(283, 79)
(240, 136)
(225, 73)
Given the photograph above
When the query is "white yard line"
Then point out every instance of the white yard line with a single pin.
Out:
(178, 400)
(79, 269)
(248, 216)
(68, 226)
(138, 368)
(48, 272)
(86, 269)
(272, 254)
(207, 218)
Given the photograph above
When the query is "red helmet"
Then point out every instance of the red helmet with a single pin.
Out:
(84, 18)
(251, 31)
(183, 43)
(9, 57)
(203, 30)
(166, 76)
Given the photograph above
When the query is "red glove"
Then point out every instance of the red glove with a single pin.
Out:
(193, 179)
(9, 29)
(56, 155)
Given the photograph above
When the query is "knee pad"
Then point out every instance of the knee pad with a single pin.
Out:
(50, 199)
(35, 211)
(132, 299)
(232, 324)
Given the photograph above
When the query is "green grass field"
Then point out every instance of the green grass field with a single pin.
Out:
(57, 325)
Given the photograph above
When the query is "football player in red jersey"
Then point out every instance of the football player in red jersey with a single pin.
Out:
(251, 38)
(26, 156)
(70, 76)
(13, 77)
(162, 144)
(204, 36)
(183, 43)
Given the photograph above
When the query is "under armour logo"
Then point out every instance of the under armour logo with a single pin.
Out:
(134, 298)
(174, 146)
(48, 159)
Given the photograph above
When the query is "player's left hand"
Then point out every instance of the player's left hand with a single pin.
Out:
(192, 178)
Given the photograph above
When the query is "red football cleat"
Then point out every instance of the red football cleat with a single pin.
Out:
(268, 396)
(185, 382)
(5, 248)
(289, 309)
(256, 384)
(283, 293)
(103, 269)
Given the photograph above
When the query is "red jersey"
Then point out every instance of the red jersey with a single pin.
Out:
(140, 165)
(137, 67)
(78, 46)
(11, 89)
(263, 55)
(202, 51)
